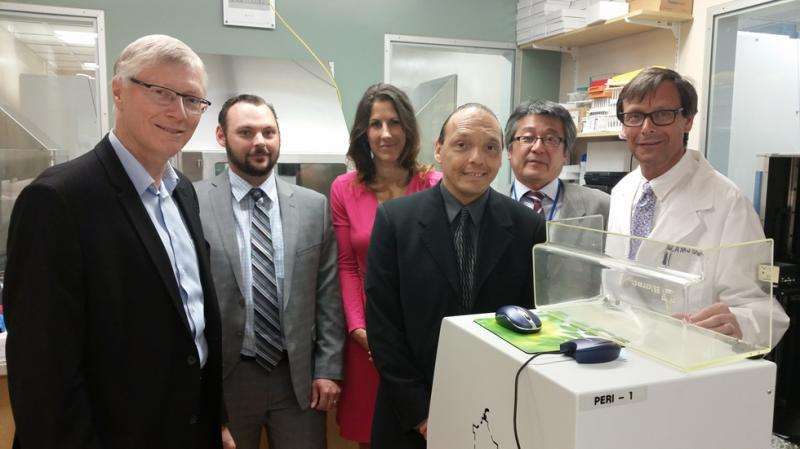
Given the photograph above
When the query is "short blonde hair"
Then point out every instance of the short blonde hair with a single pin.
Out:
(156, 49)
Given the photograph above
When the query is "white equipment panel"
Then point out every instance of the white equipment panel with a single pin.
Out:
(631, 403)
(249, 13)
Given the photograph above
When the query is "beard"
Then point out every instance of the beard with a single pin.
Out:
(243, 165)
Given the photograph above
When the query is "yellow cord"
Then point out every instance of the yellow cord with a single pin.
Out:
(319, 61)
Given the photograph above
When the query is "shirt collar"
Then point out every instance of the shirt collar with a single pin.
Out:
(664, 184)
(241, 188)
(453, 206)
(550, 190)
(140, 178)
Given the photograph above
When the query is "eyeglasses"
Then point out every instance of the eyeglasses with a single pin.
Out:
(549, 141)
(164, 96)
(663, 117)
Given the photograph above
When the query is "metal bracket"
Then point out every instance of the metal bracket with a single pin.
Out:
(675, 27)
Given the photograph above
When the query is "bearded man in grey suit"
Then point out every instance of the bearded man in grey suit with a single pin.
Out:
(273, 257)
(540, 135)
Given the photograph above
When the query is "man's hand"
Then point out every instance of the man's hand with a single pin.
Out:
(423, 429)
(360, 337)
(227, 439)
(718, 318)
(324, 394)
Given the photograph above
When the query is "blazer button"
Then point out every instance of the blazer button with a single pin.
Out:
(239, 333)
(241, 303)
(191, 360)
(193, 420)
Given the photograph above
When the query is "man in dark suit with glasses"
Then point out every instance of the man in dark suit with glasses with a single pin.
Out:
(114, 332)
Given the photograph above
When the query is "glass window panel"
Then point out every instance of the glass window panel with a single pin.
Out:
(438, 78)
(754, 95)
(49, 98)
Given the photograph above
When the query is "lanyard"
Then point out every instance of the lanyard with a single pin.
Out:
(552, 213)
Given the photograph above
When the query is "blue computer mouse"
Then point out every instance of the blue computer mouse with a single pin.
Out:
(591, 350)
(518, 319)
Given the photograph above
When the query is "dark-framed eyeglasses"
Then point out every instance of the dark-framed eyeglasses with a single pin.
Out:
(661, 117)
(549, 141)
(164, 96)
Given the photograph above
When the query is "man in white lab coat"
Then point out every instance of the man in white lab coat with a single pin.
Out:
(675, 196)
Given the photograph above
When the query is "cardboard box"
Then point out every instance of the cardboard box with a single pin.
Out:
(684, 6)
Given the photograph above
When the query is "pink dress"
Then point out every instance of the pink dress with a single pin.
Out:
(353, 213)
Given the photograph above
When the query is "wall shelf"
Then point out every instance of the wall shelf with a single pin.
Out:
(602, 135)
(634, 22)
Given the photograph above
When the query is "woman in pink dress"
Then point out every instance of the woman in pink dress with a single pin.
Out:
(384, 144)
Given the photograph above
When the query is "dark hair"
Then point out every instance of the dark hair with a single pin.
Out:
(255, 100)
(461, 108)
(542, 107)
(359, 151)
(648, 80)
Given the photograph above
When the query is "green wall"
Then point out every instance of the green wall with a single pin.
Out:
(541, 75)
(348, 32)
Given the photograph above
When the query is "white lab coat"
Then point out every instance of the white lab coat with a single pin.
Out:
(706, 210)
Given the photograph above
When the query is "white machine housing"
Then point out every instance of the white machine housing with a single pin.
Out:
(632, 403)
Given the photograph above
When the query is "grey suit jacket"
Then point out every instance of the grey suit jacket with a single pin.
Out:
(580, 201)
(312, 317)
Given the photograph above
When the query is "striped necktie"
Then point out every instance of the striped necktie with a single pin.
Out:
(266, 304)
(465, 252)
(534, 201)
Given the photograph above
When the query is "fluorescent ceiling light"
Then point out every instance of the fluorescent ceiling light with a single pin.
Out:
(76, 37)
(89, 66)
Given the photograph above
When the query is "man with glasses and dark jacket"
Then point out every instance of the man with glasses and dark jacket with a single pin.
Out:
(113, 323)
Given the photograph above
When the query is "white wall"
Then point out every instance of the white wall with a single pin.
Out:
(617, 56)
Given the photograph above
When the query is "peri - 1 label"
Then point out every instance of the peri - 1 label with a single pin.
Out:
(602, 399)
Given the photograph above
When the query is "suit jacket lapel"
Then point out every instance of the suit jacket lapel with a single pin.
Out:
(495, 236)
(221, 201)
(134, 209)
(290, 221)
(435, 233)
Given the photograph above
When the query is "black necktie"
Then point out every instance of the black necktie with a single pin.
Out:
(462, 238)
(267, 316)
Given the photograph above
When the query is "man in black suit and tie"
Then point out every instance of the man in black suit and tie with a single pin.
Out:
(454, 249)
(114, 332)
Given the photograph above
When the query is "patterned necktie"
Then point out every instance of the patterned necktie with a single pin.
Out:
(642, 218)
(462, 238)
(534, 201)
(266, 304)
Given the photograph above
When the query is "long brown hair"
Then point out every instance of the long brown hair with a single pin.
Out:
(359, 151)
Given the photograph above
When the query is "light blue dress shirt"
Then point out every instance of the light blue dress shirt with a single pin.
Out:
(166, 218)
(243, 211)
